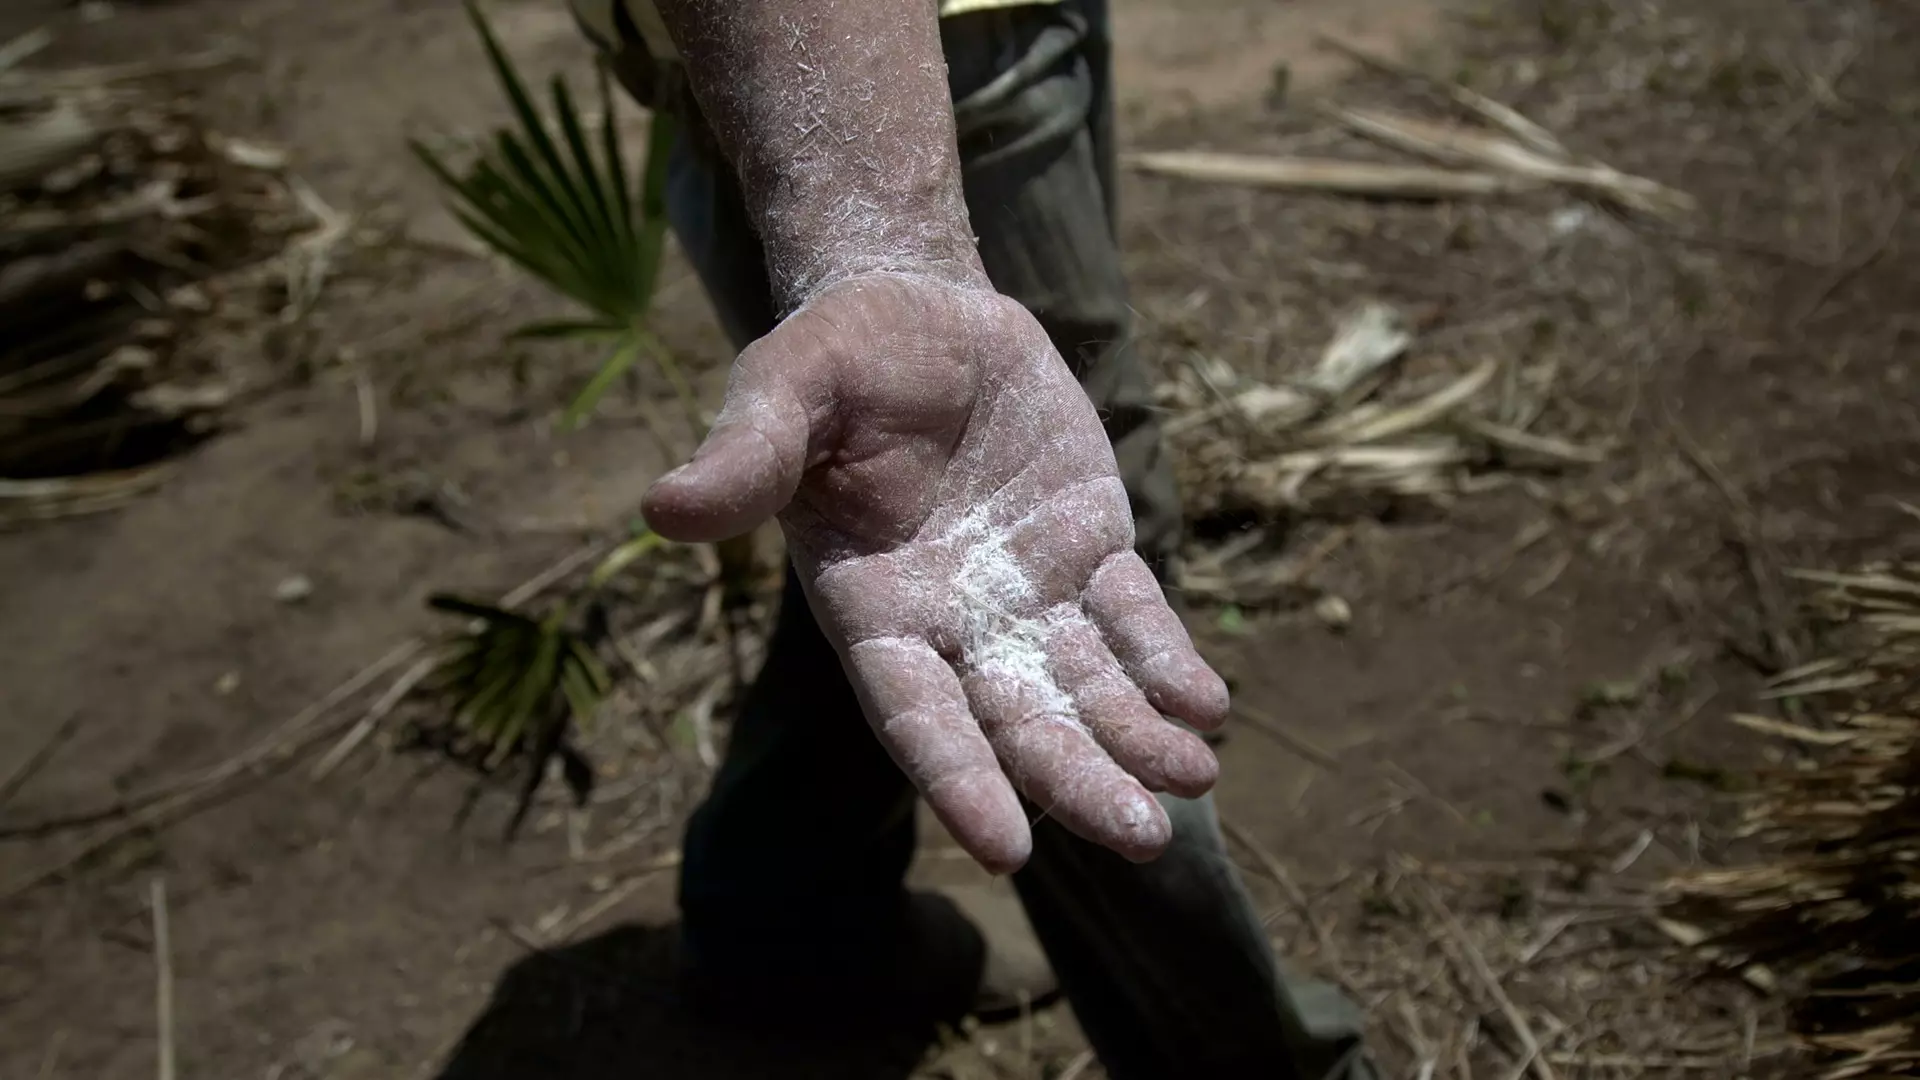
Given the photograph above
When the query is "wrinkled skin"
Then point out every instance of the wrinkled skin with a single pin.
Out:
(954, 510)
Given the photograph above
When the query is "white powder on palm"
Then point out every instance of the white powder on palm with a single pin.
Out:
(990, 594)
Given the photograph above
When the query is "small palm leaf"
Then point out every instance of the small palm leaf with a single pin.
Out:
(558, 206)
(519, 686)
(610, 371)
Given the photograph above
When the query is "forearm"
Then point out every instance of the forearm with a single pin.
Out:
(835, 115)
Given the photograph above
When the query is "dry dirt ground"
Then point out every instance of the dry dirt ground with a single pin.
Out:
(1533, 677)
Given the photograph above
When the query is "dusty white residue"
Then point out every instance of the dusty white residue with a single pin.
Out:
(851, 154)
(1000, 637)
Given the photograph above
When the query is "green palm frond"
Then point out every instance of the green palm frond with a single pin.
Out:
(644, 543)
(520, 686)
(513, 679)
(560, 206)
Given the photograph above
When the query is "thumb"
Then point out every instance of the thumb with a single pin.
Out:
(750, 464)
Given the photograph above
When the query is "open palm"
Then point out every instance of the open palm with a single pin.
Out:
(955, 513)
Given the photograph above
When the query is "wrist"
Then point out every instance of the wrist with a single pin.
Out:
(838, 121)
(814, 241)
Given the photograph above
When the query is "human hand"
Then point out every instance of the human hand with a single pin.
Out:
(955, 514)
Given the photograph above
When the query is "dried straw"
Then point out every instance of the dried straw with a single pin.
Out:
(1831, 902)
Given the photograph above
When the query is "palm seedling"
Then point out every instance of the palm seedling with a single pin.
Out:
(520, 684)
(561, 205)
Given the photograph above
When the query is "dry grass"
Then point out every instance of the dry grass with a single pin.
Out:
(1830, 899)
(125, 223)
(1349, 434)
(1478, 972)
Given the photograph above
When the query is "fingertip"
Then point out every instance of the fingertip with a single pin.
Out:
(1212, 700)
(1002, 842)
(1140, 830)
(986, 820)
(1004, 859)
(685, 517)
(735, 482)
(1192, 769)
(1183, 685)
(667, 506)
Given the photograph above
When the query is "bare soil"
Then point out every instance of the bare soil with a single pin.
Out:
(1493, 701)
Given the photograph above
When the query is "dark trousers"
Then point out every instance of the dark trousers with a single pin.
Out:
(798, 856)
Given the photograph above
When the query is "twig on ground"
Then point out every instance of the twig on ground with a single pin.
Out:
(1868, 254)
(1493, 112)
(1207, 579)
(1625, 860)
(1689, 936)
(1380, 813)
(1551, 449)
(1397, 774)
(1549, 932)
(1548, 576)
(1780, 729)
(1820, 93)
(86, 78)
(307, 263)
(1640, 736)
(1274, 869)
(37, 760)
(1273, 729)
(1485, 570)
(552, 575)
(565, 933)
(213, 775)
(1739, 245)
(1635, 1062)
(1482, 972)
(1458, 146)
(173, 800)
(52, 1059)
(1321, 174)
(1415, 1036)
(527, 941)
(163, 976)
(1412, 417)
(1754, 556)
(700, 713)
(1078, 1066)
(375, 713)
(369, 407)
(24, 502)
(23, 47)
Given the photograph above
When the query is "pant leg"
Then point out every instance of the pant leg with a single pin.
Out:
(797, 857)
(1037, 157)
(1167, 965)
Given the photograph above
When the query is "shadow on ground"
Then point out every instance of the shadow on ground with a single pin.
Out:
(608, 1007)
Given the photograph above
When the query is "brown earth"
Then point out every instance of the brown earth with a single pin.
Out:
(349, 929)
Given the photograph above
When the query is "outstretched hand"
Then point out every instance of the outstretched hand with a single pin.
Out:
(955, 514)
